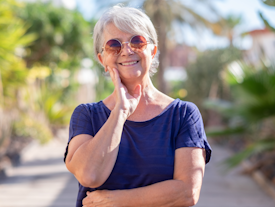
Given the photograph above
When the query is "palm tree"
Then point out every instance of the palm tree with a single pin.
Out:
(164, 13)
(228, 25)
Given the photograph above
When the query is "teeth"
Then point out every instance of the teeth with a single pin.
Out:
(129, 63)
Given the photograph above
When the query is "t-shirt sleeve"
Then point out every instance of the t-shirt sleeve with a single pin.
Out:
(80, 124)
(191, 133)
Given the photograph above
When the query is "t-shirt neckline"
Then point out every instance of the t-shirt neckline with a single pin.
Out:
(140, 123)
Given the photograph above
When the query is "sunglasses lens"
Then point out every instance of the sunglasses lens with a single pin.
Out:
(113, 46)
(138, 43)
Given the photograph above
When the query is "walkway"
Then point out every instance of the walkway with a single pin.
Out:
(231, 189)
(43, 181)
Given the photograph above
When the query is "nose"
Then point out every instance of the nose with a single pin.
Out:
(126, 48)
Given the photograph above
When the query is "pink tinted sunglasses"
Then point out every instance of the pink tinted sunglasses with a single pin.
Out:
(137, 43)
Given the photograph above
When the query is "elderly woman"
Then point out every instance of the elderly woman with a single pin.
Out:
(137, 147)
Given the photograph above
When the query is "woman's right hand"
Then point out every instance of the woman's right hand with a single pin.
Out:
(124, 100)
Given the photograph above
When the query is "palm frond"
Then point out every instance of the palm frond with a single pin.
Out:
(266, 22)
(257, 147)
(269, 2)
(224, 107)
(218, 132)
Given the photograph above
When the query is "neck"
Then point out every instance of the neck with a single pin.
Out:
(148, 90)
(148, 93)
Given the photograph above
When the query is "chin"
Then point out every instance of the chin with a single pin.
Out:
(132, 75)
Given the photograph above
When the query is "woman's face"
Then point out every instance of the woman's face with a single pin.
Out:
(130, 65)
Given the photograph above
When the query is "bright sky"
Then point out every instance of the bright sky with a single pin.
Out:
(247, 8)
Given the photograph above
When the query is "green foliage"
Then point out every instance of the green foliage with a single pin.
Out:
(267, 24)
(269, 2)
(224, 132)
(12, 68)
(256, 92)
(252, 112)
(41, 47)
(205, 75)
(57, 113)
(32, 127)
(13, 77)
(178, 90)
(256, 147)
(253, 91)
(63, 35)
(64, 39)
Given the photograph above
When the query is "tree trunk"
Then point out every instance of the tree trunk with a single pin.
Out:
(161, 30)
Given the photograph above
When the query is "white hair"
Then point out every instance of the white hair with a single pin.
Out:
(128, 20)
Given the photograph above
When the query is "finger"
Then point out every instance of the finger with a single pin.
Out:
(117, 80)
(137, 91)
(106, 69)
(110, 71)
(112, 75)
(116, 75)
(86, 201)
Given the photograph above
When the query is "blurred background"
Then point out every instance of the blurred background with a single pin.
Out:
(219, 54)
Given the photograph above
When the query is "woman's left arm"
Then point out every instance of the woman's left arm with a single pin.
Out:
(183, 190)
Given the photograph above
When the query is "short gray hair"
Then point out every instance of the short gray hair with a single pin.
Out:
(129, 20)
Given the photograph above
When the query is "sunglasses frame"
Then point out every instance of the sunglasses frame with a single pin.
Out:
(129, 42)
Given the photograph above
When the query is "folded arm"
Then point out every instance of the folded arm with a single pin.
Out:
(183, 190)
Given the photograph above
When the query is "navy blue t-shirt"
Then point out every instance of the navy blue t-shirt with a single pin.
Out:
(147, 149)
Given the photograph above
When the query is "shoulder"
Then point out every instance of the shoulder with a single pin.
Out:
(89, 111)
(185, 111)
(185, 106)
(85, 117)
(190, 107)
(87, 108)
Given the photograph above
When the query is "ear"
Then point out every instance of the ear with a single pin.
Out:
(100, 58)
(154, 52)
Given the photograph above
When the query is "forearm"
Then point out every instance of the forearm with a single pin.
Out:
(163, 194)
(93, 161)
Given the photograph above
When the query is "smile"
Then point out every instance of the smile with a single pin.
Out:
(129, 63)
